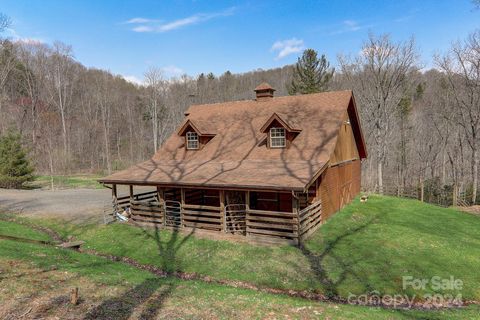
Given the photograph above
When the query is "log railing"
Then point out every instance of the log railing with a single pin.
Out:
(309, 219)
(273, 224)
(152, 212)
(124, 202)
(202, 217)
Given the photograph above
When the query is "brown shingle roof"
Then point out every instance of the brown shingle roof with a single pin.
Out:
(264, 86)
(237, 155)
(203, 128)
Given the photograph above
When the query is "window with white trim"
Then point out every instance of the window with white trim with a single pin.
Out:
(192, 140)
(277, 138)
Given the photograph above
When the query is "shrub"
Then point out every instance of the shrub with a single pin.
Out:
(15, 168)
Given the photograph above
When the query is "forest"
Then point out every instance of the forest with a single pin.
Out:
(422, 125)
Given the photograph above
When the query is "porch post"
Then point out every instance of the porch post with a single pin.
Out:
(296, 218)
(114, 197)
(247, 210)
(131, 191)
(114, 192)
(222, 210)
(161, 201)
(182, 204)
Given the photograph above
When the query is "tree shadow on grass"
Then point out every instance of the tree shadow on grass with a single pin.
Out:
(317, 264)
(150, 294)
(147, 297)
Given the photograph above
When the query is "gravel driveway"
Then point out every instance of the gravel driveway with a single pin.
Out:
(74, 205)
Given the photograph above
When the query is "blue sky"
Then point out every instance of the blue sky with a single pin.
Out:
(127, 37)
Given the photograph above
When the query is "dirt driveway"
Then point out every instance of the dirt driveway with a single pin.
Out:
(74, 205)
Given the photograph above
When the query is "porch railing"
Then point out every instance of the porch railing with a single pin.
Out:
(234, 219)
(152, 212)
(310, 219)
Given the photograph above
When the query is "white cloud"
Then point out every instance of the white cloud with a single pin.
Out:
(142, 29)
(287, 47)
(149, 25)
(349, 26)
(172, 71)
(26, 40)
(140, 20)
(133, 79)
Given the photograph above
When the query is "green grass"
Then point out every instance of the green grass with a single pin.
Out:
(371, 246)
(8, 228)
(130, 288)
(367, 247)
(69, 181)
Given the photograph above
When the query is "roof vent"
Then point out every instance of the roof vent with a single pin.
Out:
(264, 91)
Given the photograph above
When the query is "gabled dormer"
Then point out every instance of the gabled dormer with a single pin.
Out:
(196, 133)
(280, 131)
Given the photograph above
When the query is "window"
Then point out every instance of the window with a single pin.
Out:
(192, 141)
(277, 138)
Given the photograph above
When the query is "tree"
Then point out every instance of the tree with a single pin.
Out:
(380, 77)
(15, 168)
(60, 82)
(156, 88)
(5, 22)
(462, 67)
(7, 56)
(311, 74)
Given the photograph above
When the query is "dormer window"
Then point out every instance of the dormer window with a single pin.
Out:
(192, 140)
(277, 138)
(196, 133)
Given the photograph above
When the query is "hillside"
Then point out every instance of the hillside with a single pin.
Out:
(365, 248)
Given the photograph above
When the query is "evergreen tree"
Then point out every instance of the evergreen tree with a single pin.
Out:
(15, 168)
(311, 74)
(210, 76)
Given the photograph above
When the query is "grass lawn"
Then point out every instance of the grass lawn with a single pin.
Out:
(8, 228)
(36, 280)
(65, 182)
(365, 248)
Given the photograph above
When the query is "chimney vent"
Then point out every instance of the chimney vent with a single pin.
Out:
(264, 91)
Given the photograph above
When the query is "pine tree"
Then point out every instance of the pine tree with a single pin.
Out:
(311, 74)
(15, 168)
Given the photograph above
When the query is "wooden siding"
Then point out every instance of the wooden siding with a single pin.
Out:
(338, 186)
(346, 147)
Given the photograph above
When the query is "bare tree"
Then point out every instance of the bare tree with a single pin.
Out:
(379, 76)
(5, 22)
(61, 76)
(156, 87)
(462, 67)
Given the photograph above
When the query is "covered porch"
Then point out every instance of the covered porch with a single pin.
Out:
(258, 215)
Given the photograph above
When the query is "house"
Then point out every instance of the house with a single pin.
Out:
(271, 167)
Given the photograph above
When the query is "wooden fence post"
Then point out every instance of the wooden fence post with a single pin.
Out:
(421, 190)
(455, 195)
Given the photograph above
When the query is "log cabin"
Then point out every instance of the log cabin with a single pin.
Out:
(271, 168)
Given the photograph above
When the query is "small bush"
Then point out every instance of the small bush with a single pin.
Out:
(15, 168)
